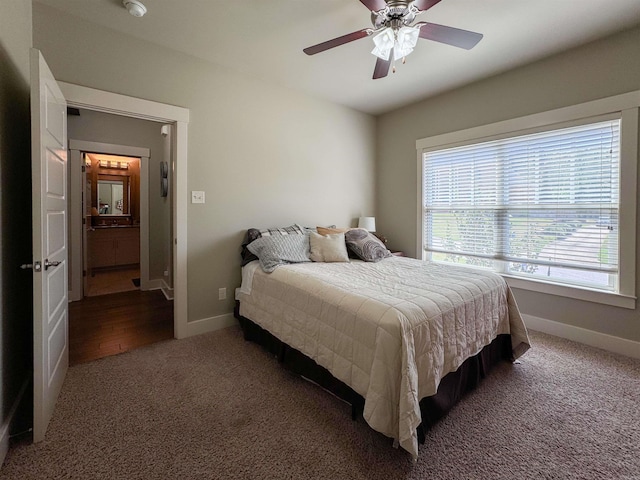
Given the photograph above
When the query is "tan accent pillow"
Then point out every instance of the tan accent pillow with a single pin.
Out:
(330, 231)
(328, 248)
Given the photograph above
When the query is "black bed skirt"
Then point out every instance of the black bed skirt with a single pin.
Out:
(451, 389)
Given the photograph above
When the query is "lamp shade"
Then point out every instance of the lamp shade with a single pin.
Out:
(368, 223)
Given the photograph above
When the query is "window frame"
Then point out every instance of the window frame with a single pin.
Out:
(626, 106)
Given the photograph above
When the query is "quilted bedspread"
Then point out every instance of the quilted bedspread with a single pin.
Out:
(390, 330)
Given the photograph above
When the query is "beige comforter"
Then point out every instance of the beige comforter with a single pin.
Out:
(390, 330)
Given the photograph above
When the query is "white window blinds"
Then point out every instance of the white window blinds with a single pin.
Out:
(543, 204)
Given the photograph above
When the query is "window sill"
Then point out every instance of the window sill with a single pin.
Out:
(579, 293)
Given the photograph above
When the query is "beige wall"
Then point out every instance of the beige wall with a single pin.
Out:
(264, 155)
(16, 333)
(115, 129)
(604, 68)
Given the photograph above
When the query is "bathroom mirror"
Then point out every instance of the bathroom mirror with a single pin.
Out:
(113, 195)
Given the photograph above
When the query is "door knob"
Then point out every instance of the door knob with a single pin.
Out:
(48, 264)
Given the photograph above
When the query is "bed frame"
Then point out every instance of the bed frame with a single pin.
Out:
(451, 389)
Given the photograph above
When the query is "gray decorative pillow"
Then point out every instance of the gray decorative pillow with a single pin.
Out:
(365, 245)
(278, 250)
(253, 234)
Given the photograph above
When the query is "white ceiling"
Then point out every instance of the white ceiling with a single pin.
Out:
(265, 38)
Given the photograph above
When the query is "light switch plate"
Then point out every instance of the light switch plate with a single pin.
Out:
(197, 197)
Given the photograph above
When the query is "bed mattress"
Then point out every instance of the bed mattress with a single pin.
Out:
(390, 330)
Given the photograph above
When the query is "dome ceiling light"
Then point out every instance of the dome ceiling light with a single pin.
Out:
(134, 7)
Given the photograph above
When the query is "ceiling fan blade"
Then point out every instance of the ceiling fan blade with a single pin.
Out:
(423, 5)
(381, 69)
(449, 35)
(336, 42)
(375, 5)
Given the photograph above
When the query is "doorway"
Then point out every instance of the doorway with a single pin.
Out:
(113, 207)
(83, 97)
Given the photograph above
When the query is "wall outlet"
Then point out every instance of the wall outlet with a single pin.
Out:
(166, 273)
(197, 196)
(222, 293)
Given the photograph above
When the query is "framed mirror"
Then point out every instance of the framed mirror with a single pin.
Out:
(113, 195)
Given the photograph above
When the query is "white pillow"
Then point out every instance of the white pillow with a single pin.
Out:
(328, 248)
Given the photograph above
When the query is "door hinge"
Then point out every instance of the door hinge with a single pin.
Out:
(84, 273)
(84, 169)
(84, 221)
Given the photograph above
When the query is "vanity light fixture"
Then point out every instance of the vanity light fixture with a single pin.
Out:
(134, 7)
(114, 164)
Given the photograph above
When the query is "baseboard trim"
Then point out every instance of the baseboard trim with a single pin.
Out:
(210, 324)
(610, 343)
(167, 290)
(6, 425)
(155, 284)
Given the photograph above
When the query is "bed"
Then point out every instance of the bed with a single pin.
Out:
(387, 335)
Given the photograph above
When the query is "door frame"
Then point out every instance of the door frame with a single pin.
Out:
(114, 103)
(77, 187)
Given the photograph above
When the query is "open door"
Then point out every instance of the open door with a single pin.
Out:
(50, 288)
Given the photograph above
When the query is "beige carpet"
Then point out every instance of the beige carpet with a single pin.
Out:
(217, 407)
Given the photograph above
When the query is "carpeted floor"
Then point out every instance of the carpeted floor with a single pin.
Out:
(217, 407)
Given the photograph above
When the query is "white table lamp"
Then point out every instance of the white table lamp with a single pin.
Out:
(368, 223)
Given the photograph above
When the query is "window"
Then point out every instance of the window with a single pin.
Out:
(542, 204)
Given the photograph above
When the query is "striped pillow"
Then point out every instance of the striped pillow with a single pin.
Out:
(276, 250)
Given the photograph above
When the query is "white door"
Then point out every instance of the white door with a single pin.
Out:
(49, 191)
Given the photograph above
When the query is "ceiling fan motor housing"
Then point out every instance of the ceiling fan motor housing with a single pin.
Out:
(396, 14)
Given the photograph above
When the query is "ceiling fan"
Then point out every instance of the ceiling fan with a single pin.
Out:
(395, 36)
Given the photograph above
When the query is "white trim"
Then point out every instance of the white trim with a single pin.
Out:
(155, 284)
(617, 103)
(6, 425)
(92, 99)
(210, 324)
(420, 253)
(166, 290)
(179, 203)
(143, 201)
(622, 346)
(571, 291)
(628, 198)
(75, 226)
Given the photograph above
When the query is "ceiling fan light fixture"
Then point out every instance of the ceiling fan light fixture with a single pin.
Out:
(406, 40)
(383, 44)
(134, 7)
(401, 41)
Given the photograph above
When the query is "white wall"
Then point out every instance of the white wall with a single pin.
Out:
(264, 155)
(604, 68)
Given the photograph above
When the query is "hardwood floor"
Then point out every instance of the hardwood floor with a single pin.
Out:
(114, 280)
(111, 324)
